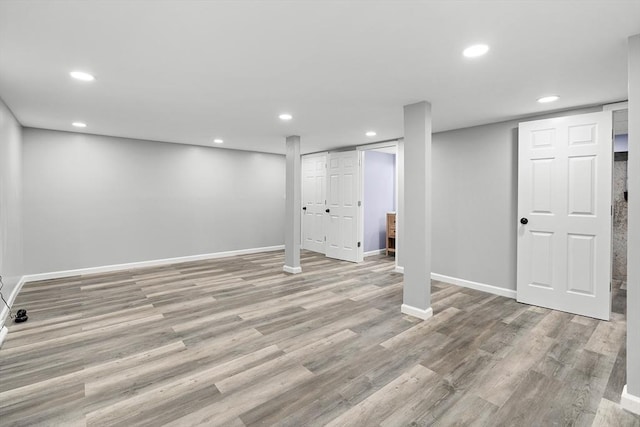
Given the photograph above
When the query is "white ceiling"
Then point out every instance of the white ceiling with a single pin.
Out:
(189, 71)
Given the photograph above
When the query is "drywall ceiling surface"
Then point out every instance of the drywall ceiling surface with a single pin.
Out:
(191, 71)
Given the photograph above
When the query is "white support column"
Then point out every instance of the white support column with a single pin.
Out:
(416, 247)
(631, 394)
(292, 207)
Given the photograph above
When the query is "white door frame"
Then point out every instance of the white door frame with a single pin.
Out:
(618, 106)
(361, 149)
(360, 215)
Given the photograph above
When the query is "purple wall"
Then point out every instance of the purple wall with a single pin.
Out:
(379, 197)
(621, 143)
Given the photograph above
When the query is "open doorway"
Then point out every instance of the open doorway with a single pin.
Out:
(379, 194)
(372, 192)
(620, 215)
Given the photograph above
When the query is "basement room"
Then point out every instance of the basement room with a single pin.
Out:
(319, 213)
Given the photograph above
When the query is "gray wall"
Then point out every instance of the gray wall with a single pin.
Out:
(633, 242)
(11, 267)
(475, 183)
(92, 200)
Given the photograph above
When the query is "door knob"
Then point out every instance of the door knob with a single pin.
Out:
(524, 221)
(304, 208)
(327, 210)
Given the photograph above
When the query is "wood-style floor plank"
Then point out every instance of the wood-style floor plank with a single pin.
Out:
(237, 342)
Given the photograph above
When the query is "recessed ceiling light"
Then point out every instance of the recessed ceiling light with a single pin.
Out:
(475, 50)
(546, 99)
(371, 133)
(79, 124)
(218, 141)
(285, 116)
(81, 75)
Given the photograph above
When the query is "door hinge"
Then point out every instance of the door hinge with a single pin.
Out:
(325, 238)
(611, 210)
(359, 203)
(358, 244)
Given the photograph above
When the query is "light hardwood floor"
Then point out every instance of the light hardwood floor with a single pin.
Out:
(237, 342)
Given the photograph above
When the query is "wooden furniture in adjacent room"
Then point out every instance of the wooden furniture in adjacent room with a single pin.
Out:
(391, 233)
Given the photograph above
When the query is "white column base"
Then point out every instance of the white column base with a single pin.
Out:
(399, 269)
(417, 312)
(630, 402)
(292, 270)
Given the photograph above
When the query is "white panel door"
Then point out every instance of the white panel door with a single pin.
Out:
(343, 174)
(314, 172)
(564, 213)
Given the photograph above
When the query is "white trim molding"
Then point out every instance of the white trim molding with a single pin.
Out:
(509, 293)
(406, 309)
(630, 402)
(616, 106)
(496, 290)
(150, 263)
(417, 312)
(4, 314)
(117, 267)
(377, 145)
(375, 252)
(3, 334)
(292, 270)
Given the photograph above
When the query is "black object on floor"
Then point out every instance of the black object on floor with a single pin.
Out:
(21, 316)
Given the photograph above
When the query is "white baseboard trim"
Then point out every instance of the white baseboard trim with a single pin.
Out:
(630, 402)
(4, 314)
(509, 293)
(151, 263)
(376, 252)
(292, 270)
(416, 312)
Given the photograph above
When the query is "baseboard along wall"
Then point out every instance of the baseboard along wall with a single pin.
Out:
(509, 293)
(496, 290)
(150, 263)
(630, 402)
(4, 314)
(375, 252)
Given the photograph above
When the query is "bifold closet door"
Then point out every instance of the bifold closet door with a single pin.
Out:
(314, 172)
(343, 175)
